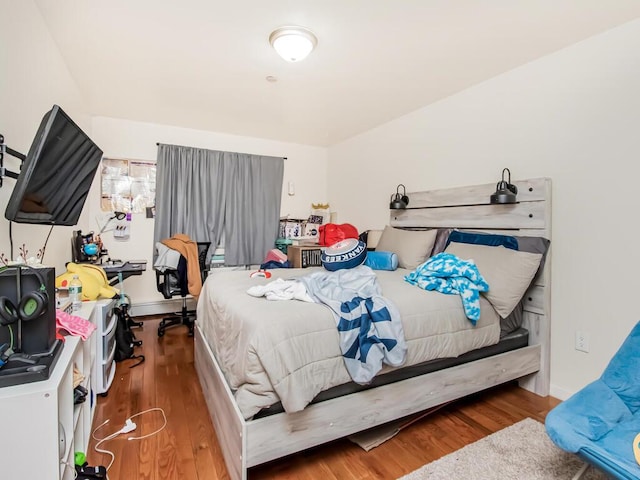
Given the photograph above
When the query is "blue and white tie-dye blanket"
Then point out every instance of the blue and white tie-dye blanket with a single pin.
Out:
(368, 324)
(449, 274)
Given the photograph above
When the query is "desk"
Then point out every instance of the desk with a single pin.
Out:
(127, 269)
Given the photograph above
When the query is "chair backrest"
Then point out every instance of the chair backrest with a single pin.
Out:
(203, 249)
(170, 283)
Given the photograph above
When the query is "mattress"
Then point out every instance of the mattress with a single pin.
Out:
(288, 351)
(517, 339)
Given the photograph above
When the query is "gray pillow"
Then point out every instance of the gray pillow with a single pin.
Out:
(441, 240)
(412, 247)
(508, 272)
(532, 245)
(513, 321)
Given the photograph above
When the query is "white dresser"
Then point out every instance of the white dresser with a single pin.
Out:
(104, 366)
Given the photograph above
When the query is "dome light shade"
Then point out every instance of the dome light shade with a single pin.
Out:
(293, 43)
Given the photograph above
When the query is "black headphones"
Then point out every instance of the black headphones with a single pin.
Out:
(31, 305)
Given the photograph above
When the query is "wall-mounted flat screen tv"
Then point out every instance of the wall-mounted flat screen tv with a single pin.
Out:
(56, 174)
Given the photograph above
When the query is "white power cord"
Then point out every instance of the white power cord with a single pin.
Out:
(72, 467)
(164, 424)
(129, 426)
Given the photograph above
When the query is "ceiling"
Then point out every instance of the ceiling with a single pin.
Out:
(203, 64)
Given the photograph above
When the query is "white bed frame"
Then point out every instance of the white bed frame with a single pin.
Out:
(247, 443)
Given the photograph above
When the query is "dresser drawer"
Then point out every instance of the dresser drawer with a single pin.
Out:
(106, 321)
(112, 354)
(109, 321)
(109, 342)
(109, 335)
(107, 372)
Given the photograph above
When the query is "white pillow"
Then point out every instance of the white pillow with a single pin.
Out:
(411, 246)
(508, 272)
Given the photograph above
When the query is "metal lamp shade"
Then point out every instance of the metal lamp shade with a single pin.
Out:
(505, 191)
(399, 202)
(503, 194)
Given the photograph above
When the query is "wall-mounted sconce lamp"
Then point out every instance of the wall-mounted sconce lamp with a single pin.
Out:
(505, 191)
(399, 201)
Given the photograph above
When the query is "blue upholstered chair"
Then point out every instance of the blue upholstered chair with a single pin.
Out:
(599, 423)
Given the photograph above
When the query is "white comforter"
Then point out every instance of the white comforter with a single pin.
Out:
(289, 351)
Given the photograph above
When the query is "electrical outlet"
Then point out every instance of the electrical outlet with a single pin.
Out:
(582, 341)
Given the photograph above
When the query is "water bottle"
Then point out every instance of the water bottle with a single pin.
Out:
(75, 293)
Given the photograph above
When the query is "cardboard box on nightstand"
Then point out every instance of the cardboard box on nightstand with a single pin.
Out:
(303, 256)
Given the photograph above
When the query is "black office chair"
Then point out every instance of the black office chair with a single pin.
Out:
(171, 282)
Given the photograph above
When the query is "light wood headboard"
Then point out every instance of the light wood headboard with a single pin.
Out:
(468, 208)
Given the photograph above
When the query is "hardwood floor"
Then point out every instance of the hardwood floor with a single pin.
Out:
(187, 448)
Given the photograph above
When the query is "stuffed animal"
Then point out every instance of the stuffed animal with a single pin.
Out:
(94, 281)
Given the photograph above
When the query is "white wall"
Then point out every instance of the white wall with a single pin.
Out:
(33, 78)
(572, 116)
(306, 166)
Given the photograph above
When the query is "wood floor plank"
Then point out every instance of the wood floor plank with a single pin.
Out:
(187, 449)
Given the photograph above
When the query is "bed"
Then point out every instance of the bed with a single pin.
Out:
(234, 386)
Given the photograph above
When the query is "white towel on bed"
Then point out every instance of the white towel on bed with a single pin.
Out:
(281, 289)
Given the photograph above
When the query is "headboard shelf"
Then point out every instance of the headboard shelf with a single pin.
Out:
(532, 190)
(469, 207)
(513, 216)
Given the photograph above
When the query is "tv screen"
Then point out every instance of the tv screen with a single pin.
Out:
(56, 174)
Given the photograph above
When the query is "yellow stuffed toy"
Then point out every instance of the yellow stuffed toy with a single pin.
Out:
(94, 281)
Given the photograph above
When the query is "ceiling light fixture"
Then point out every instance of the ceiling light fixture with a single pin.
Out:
(293, 43)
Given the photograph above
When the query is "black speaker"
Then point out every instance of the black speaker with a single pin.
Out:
(31, 315)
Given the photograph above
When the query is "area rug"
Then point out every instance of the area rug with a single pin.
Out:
(521, 451)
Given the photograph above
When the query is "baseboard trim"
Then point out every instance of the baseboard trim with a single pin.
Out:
(559, 392)
(160, 307)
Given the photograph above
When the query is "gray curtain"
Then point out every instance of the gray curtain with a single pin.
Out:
(208, 194)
